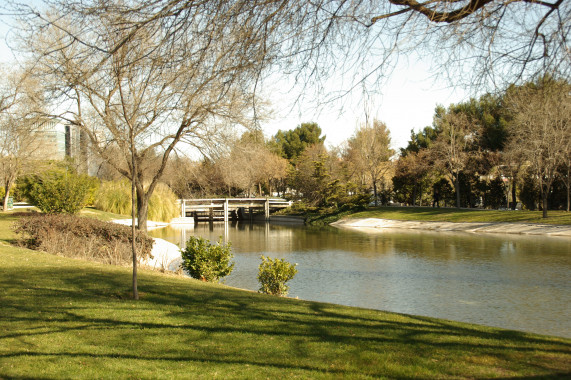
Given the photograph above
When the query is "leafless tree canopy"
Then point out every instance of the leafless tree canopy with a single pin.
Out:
(541, 130)
(479, 43)
(369, 153)
(20, 137)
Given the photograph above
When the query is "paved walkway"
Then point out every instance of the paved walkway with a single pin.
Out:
(500, 228)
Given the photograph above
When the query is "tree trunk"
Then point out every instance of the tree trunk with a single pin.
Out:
(134, 214)
(5, 200)
(6, 194)
(133, 238)
(142, 208)
(544, 201)
(568, 199)
(375, 192)
(457, 186)
(568, 183)
(514, 199)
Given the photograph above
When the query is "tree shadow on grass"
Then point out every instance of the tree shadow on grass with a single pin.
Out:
(50, 301)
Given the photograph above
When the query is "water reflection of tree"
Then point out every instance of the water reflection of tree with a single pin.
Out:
(428, 245)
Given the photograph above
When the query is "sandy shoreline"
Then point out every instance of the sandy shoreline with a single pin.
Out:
(499, 228)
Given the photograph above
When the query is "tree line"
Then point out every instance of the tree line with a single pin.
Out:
(295, 164)
(492, 152)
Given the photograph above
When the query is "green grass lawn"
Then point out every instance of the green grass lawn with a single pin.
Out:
(102, 215)
(464, 215)
(66, 318)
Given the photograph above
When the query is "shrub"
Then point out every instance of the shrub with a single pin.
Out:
(73, 236)
(273, 275)
(205, 261)
(58, 191)
(115, 196)
(299, 208)
(163, 205)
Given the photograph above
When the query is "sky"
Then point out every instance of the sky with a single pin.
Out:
(407, 102)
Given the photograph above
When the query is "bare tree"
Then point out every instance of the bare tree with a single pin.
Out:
(369, 152)
(20, 138)
(501, 41)
(540, 130)
(240, 169)
(250, 163)
(452, 146)
(137, 91)
(356, 42)
(511, 165)
(274, 171)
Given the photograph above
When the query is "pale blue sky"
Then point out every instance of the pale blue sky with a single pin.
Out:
(407, 102)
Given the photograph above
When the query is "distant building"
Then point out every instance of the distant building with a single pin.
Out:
(60, 140)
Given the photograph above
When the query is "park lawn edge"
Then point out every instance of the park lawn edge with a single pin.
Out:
(64, 318)
(465, 215)
(71, 318)
(453, 215)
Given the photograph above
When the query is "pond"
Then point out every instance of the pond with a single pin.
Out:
(509, 281)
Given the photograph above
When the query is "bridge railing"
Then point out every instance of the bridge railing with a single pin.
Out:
(226, 204)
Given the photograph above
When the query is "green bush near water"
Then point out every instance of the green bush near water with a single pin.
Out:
(116, 197)
(273, 275)
(206, 261)
(59, 190)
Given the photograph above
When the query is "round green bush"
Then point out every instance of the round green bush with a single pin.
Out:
(58, 191)
(273, 275)
(206, 261)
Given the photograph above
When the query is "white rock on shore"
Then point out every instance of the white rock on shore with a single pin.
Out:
(164, 253)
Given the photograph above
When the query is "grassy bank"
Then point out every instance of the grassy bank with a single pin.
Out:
(460, 215)
(101, 215)
(66, 318)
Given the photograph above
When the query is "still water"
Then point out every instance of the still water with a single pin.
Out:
(509, 281)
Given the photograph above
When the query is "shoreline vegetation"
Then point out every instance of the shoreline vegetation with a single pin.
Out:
(73, 318)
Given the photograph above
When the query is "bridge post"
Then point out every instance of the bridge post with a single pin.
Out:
(226, 208)
(182, 208)
(267, 208)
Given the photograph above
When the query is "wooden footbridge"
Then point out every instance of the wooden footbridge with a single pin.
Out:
(229, 208)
